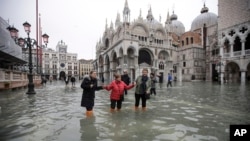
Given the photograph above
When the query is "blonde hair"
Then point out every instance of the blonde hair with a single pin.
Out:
(117, 76)
(144, 69)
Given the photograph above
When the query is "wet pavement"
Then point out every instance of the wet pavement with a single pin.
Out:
(188, 111)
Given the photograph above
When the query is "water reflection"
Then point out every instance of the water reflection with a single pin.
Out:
(88, 130)
(184, 112)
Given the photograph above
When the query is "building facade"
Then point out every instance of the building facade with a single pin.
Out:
(216, 48)
(144, 43)
(59, 63)
(234, 40)
(85, 66)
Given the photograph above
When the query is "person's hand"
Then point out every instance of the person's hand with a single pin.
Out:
(134, 83)
(91, 85)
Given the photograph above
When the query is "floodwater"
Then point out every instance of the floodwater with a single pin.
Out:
(188, 111)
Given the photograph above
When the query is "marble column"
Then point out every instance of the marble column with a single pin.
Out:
(231, 50)
(243, 48)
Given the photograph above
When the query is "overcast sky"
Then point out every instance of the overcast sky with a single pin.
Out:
(81, 23)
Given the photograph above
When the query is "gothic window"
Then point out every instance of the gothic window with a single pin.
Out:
(161, 66)
(237, 44)
(186, 41)
(226, 46)
(144, 57)
(247, 43)
(182, 42)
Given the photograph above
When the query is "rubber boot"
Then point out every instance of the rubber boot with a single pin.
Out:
(89, 113)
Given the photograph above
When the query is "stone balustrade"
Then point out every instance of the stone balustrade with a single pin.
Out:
(10, 79)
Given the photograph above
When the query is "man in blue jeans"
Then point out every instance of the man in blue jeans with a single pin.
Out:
(169, 80)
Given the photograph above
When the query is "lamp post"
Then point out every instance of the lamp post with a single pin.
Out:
(27, 43)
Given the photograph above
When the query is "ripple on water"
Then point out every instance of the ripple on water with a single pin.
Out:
(196, 137)
(192, 119)
(158, 121)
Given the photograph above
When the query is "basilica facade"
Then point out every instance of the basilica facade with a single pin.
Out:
(193, 55)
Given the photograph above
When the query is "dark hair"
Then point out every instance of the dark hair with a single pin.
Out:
(152, 74)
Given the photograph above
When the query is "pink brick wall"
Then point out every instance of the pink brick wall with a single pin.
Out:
(232, 12)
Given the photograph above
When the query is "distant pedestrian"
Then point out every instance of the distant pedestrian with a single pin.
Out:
(170, 79)
(160, 79)
(116, 97)
(89, 86)
(153, 81)
(44, 80)
(102, 79)
(50, 79)
(126, 79)
(66, 81)
(142, 90)
(73, 80)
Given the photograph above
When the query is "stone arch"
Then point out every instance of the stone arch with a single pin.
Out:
(62, 75)
(101, 65)
(145, 56)
(107, 60)
(121, 53)
(162, 31)
(131, 53)
(106, 75)
(232, 72)
(163, 55)
(115, 60)
(107, 43)
(144, 27)
(248, 71)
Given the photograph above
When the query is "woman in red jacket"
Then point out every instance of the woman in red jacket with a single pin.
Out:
(117, 86)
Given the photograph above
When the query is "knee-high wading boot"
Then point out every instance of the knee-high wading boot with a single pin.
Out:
(112, 110)
(89, 113)
(136, 107)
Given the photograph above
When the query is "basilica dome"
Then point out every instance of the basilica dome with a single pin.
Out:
(177, 27)
(205, 17)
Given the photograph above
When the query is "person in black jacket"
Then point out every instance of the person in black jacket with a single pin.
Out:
(73, 80)
(126, 79)
(160, 79)
(89, 86)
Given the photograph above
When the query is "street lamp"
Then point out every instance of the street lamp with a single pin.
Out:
(27, 43)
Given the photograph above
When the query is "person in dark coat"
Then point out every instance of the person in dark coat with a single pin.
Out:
(89, 86)
(73, 80)
(126, 79)
(153, 81)
(160, 79)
